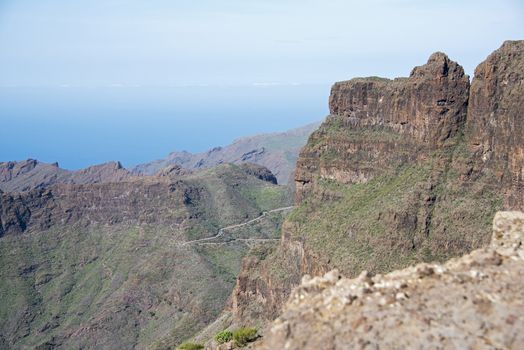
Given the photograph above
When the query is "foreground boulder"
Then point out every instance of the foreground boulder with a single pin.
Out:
(475, 301)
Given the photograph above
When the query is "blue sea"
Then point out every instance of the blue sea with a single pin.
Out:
(80, 126)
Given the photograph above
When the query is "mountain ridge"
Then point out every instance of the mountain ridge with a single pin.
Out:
(31, 173)
(276, 151)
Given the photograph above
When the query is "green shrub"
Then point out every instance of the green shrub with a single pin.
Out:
(190, 346)
(224, 337)
(242, 336)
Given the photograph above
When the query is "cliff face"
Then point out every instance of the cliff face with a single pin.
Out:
(106, 204)
(429, 106)
(404, 171)
(495, 119)
(412, 115)
(471, 302)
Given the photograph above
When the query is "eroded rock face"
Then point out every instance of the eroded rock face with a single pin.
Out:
(259, 172)
(495, 116)
(402, 118)
(471, 302)
(109, 204)
(429, 106)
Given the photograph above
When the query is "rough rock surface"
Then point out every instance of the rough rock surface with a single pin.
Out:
(416, 113)
(31, 174)
(495, 112)
(476, 301)
(109, 203)
(277, 151)
(429, 106)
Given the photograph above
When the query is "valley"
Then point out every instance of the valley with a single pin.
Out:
(319, 237)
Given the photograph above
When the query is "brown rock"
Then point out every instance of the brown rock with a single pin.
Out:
(495, 113)
(429, 106)
(389, 122)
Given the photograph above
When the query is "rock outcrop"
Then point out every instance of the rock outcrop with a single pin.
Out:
(475, 301)
(32, 174)
(277, 151)
(429, 106)
(260, 172)
(412, 115)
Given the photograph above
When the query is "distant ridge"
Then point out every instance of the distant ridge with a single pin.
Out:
(276, 151)
(31, 173)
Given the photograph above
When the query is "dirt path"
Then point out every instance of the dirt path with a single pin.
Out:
(221, 231)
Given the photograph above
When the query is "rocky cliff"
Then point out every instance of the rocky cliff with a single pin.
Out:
(494, 126)
(277, 151)
(471, 302)
(30, 174)
(378, 124)
(403, 171)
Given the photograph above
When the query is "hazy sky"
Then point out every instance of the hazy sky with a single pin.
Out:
(172, 42)
(88, 81)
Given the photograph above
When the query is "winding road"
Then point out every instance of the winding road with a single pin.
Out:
(221, 231)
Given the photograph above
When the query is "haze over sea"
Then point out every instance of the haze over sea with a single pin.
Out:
(81, 126)
(87, 81)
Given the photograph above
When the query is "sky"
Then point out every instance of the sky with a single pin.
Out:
(74, 72)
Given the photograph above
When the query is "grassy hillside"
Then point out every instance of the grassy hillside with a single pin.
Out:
(131, 284)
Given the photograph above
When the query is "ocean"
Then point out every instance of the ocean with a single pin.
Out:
(81, 126)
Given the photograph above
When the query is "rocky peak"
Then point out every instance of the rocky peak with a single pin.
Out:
(173, 170)
(429, 106)
(107, 172)
(415, 307)
(439, 66)
(389, 123)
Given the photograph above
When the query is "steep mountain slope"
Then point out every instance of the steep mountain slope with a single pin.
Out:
(117, 265)
(277, 151)
(471, 302)
(30, 174)
(404, 171)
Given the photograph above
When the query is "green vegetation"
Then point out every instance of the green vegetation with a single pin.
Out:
(401, 217)
(224, 337)
(132, 281)
(190, 346)
(242, 336)
(267, 198)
